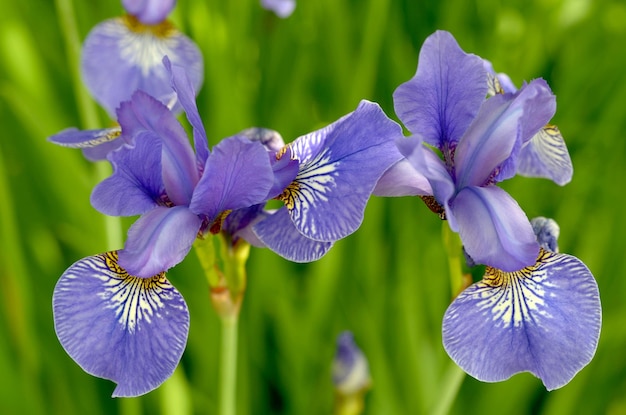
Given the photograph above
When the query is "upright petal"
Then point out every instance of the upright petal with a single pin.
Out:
(187, 97)
(402, 179)
(443, 97)
(546, 155)
(135, 186)
(278, 233)
(504, 123)
(494, 229)
(178, 162)
(544, 319)
(121, 56)
(115, 326)
(327, 199)
(237, 174)
(149, 12)
(158, 240)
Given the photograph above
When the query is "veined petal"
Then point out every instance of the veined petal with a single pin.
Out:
(187, 97)
(278, 233)
(544, 319)
(115, 326)
(237, 174)
(121, 55)
(178, 162)
(547, 232)
(149, 12)
(443, 97)
(135, 185)
(96, 144)
(502, 125)
(327, 199)
(158, 240)
(494, 229)
(546, 155)
(282, 8)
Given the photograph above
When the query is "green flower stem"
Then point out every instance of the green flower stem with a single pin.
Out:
(224, 265)
(453, 378)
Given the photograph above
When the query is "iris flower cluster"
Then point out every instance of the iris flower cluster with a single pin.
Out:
(118, 316)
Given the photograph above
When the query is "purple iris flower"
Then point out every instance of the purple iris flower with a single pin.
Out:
(545, 154)
(282, 8)
(116, 314)
(125, 54)
(445, 106)
(351, 372)
(544, 319)
(338, 168)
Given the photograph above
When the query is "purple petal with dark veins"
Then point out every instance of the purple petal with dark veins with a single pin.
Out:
(118, 59)
(158, 240)
(544, 319)
(546, 155)
(443, 97)
(187, 97)
(135, 186)
(328, 197)
(494, 229)
(178, 162)
(149, 12)
(237, 174)
(115, 326)
(278, 233)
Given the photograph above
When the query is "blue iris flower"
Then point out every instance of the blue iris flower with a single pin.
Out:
(472, 144)
(116, 314)
(544, 319)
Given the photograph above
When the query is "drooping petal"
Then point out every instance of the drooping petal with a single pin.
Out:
(187, 97)
(135, 186)
(494, 229)
(503, 124)
(278, 233)
(282, 8)
(96, 144)
(546, 155)
(158, 240)
(327, 199)
(544, 319)
(121, 55)
(237, 174)
(149, 12)
(443, 97)
(402, 179)
(115, 326)
(178, 162)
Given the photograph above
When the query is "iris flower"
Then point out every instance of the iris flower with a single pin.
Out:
(282, 8)
(338, 168)
(116, 314)
(544, 319)
(473, 143)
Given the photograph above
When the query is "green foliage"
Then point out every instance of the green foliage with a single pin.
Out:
(388, 282)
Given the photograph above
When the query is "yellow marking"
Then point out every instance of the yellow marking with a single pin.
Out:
(282, 152)
(216, 226)
(163, 29)
(290, 194)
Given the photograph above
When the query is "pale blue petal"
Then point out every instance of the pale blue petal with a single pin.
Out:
(118, 59)
(545, 320)
(402, 179)
(547, 232)
(444, 96)
(546, 155)
(149, 12)
(494, 229)
(130, 330)
(278, 233)
(158, 240)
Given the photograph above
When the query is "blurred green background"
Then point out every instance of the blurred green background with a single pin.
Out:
(388, 282)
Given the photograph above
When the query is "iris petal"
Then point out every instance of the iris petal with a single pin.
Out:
(158, 240)
(402, 179)
(327, 199)
(443, 97)
(149, 12)
(117, 60)
(130, 330)
(544, 319)
(135, 185)
(546, 155)
(494, 229)
(237, 174)
(278, 233)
